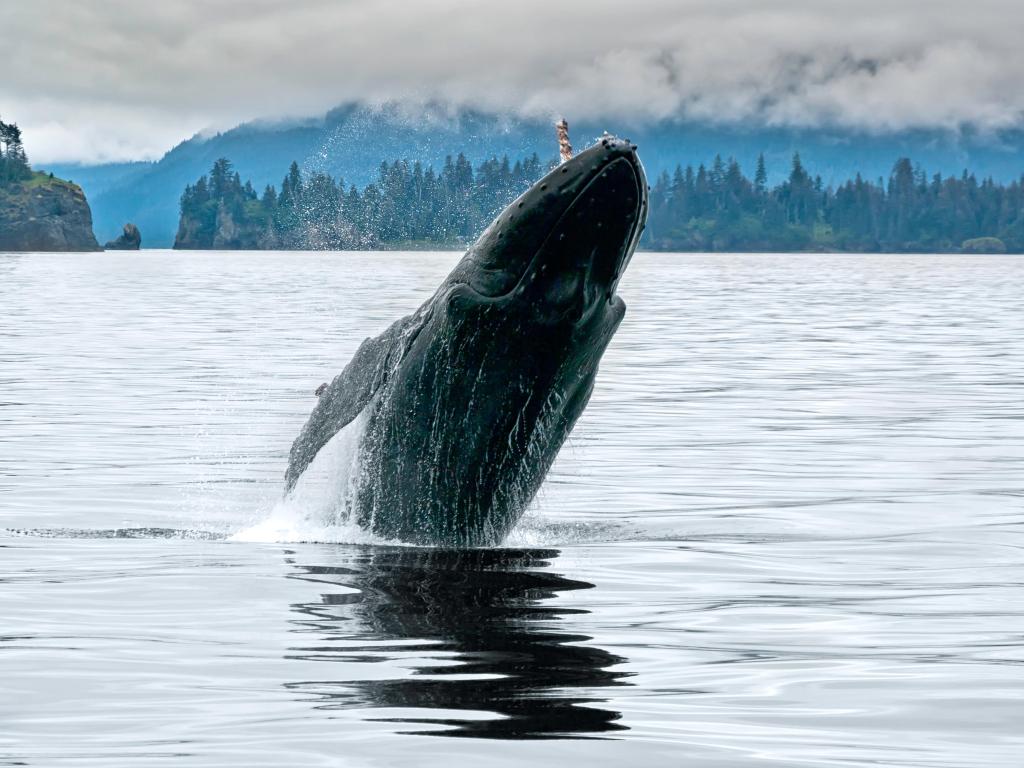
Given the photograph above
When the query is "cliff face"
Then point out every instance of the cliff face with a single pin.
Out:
(45, 214)
(219, 229)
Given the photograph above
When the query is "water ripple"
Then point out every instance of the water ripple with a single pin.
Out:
(788, 528)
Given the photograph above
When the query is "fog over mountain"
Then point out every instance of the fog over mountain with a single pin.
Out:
(111, 80)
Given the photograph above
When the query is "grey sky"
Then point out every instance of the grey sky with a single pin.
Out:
(116, 79)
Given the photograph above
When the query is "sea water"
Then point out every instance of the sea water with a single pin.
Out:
(788, 530)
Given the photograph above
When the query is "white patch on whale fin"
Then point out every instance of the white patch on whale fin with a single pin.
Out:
(319, 507)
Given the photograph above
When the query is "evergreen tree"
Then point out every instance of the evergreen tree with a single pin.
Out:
(716, 209)
(14, 165)
(761, 176)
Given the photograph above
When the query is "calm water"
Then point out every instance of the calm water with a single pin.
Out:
(789, 529)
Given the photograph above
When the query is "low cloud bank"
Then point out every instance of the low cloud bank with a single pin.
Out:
(109, 80)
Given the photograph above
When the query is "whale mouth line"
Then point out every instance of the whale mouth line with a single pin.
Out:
(531, 271)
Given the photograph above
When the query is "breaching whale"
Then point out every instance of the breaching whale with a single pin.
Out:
(464, 404)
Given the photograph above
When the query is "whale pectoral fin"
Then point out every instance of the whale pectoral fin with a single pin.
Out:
(345, 398)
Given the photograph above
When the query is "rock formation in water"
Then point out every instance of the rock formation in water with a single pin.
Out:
(129, 240)
(43, 213)
(229, 232)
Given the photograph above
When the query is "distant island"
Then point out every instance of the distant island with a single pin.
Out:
(39, 212)
(713, 208)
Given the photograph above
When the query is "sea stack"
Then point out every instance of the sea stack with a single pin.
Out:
(129, 240)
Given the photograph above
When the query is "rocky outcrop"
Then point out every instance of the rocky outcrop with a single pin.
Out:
(224, 230)
(44, 213)
(129, 240)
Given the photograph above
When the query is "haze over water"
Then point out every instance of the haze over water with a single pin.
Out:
(787, 530)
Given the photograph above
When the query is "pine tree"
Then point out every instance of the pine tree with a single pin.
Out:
(14, 165)
(761, 176)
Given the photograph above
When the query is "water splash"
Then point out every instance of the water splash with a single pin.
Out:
(319, 507)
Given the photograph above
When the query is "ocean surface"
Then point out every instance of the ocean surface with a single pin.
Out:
(788, 530)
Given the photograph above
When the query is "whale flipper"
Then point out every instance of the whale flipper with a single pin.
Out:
(346, 396)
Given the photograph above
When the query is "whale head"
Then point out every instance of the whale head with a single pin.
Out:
(562, 246)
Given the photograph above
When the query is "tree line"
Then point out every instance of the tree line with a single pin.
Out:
(14, 165)
(407, 204)
(720, 209)
(715, 208)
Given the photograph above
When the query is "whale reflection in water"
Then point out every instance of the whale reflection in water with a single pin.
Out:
(481, 630)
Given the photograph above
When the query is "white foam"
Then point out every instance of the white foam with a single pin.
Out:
(291, 523)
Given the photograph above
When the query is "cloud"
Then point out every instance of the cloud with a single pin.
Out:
(116, 79)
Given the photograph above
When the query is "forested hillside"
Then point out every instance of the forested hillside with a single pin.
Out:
(715, 208)
(408, 205)
(720, 209)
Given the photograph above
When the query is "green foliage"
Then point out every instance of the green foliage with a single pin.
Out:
(721, 210)
(14, 165)
(406, 205)
(708, 209)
